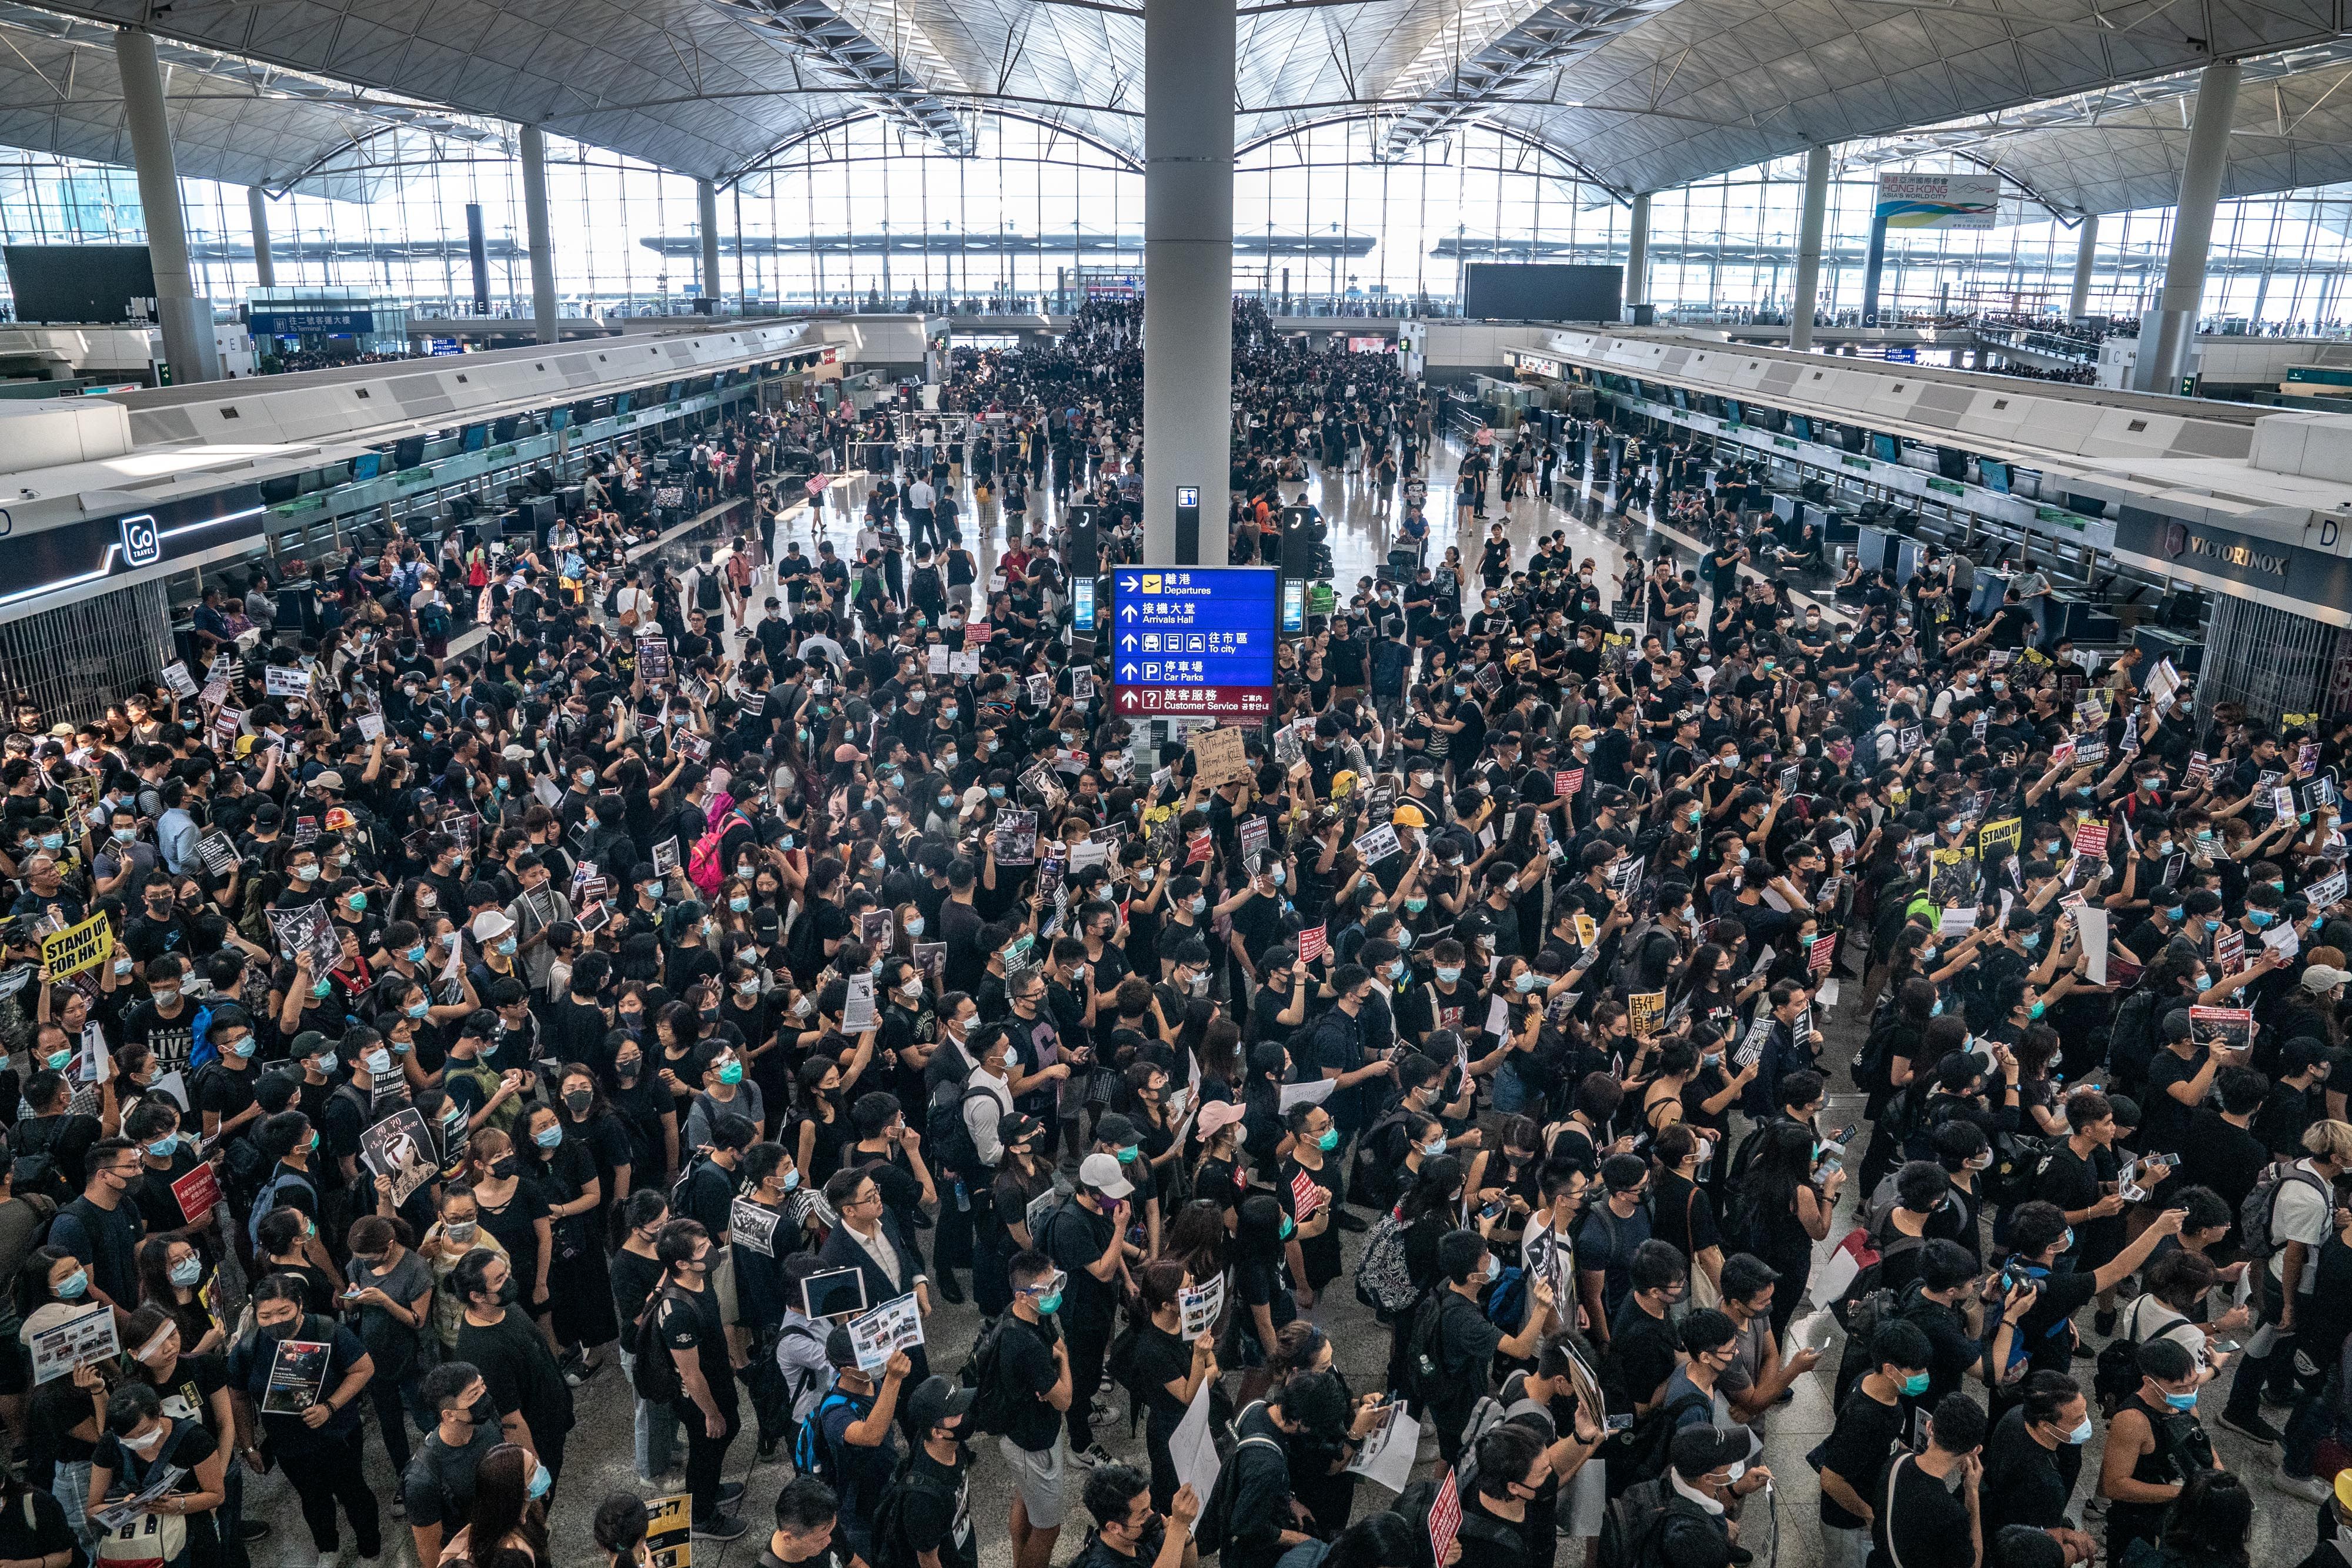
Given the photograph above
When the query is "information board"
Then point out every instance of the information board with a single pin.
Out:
(1196, 641)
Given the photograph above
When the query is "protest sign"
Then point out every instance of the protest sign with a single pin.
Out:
(1645, 1010)
(285, 681)
(400, 1147)
(1315, 940)
(1201, 1304)
(1016, 838)
(1377, 844)
(77, 947)
(61, 1347)
(218, 855)
(298, 1375)
(1194, 1447)
(197, 1192)
(669, 1531)
(1218, 755)
(176, 677)
(857, 1011)
(752, 1227)
(2223, 1029)
(1388, 1450)
(308, 929)
(876, 1335)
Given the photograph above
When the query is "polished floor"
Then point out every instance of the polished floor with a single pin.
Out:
(598, 1461)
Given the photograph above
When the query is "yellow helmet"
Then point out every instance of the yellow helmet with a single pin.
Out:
(1409, 816)
(1343, 782)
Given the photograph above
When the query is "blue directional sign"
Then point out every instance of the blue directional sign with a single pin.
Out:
(1193, 641)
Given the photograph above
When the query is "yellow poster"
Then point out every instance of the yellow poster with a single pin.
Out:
(1645, 1010)
(669, 1537)
(1996, 837)
(78, 947)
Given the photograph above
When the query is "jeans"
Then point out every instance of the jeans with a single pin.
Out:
(706, 1455)
(324, 1468)
(656, 1428)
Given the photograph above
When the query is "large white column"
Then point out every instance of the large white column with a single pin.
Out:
(1802, 297)
(543, 248)
(706, 205)
(264, 266)
(2086, 258)
(1188, 272)
(1637, 255)
(2168, 333)
(189, 346)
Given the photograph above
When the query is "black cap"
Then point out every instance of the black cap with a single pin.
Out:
(938, 1401)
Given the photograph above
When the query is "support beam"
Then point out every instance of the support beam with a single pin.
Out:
(2168, 335)
(1874, 264)
(1637, 257)
(1188, 269)
(2086, 258)
(1804, 297)
(542, 249)
(478, 252)
(190, 349)
(705, 208)
(257, 206)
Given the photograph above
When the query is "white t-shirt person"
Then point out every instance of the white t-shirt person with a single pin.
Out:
(2302, 1212)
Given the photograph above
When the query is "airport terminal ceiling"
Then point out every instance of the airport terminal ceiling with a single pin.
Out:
(1642, 94)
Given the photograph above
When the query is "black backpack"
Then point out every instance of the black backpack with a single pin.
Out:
(1214, 1526)
(992, 1408)
(946, 1133)
(1634, 1522)
(889, 1537)
(34, 1170)
(653, 1373)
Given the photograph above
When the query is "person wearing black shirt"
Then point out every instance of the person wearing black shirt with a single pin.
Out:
(1873, 1425)
(1169, 1370)
(693, 1333)
(1459, 1341)
(2035, 1457)
(512, 1355)
(1085, 1239)
(2038, 1233)
(1926, 1508)
(1130, 1530)
(934, 1505)
(1033, 1383)
(808, 1533)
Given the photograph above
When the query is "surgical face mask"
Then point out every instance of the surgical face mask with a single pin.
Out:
(166, 1147)
(378, 1060)
(187, 1271)
(739, 903)
(2181, 1401)
(1526, 982)
(2259, 917)
(1329, 1141)
(2174, 913)
(1449, 972)
(74, 1286)
(416, 955)
(461, 1229)
(1494, 1267)
(2082, 1434)
(549, 1138)
(1198, 905)
(731, 1074)
(59, 1059)
(1434, 1147)
(542, 1477)
(1915, 1384)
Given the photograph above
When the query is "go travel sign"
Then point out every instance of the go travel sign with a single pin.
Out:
(1195, 641)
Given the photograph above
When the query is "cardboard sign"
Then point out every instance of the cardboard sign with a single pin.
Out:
(1219, 755)
(197, 1192)
(976, 634)
(669, 1531)
(77, 947)
(1645, 1010)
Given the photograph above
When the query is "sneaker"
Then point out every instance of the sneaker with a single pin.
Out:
(724, 1527)
(728, 1491)
(768, 1448)
(1349, 1219)
(399, 1505)
(331, 1559)
(1094, 1455)
(2251, 1426)
(2311, 1489)
(949, 1291)
(2105, 1322)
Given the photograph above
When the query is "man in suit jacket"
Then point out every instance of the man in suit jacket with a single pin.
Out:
(868, 1241)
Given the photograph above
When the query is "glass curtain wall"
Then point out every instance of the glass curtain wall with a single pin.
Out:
(860, 215)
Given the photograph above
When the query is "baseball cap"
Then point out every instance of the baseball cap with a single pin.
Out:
(2321, 978)
(938, 1400)
(1102, 1172)
(329, 780)
(1217, 1115)
(1014, 1126)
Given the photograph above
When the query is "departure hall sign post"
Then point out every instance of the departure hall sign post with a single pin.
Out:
(1193, 642)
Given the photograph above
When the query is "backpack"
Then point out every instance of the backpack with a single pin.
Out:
(1424, 1375)
(2260, 1206)
(1375, 1183)
(1383, 1283)
(889, 1532)
(268, 1200)
(432, 621)
(653, 1373)
(1214, 1526)
(813, 1450)
(1634, 1522)
(992, 1411)
(247, 1167)
(704, 866)
(945, 1134)
(1119, 1360)
(2117, 1374)
(34, 1170)
(706, 589)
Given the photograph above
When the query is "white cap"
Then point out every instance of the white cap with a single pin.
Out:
(1102, 1172)
(490, 925)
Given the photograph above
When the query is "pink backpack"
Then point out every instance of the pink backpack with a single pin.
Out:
(704, 866)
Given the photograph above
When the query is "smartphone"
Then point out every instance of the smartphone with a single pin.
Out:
(1841, 1139)
(1492, 1211)
(1829, 1169)
(1619, 1424)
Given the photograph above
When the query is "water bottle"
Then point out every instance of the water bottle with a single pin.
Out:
(963, 1196)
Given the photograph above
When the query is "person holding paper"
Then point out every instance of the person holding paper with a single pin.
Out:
(1169, 1368)
(320, 1448)
(1130, 1531)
